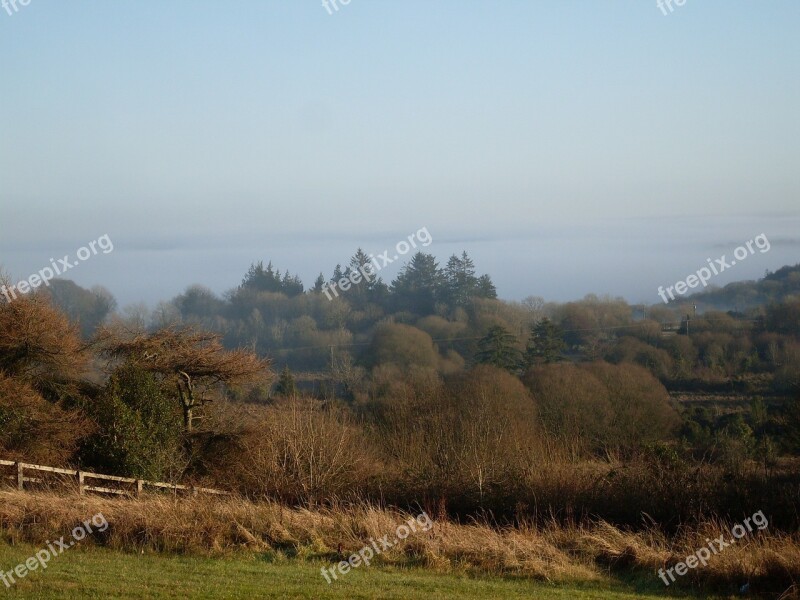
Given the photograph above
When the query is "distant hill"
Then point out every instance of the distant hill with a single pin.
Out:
(743, 295)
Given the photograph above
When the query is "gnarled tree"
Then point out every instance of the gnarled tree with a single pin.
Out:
(195, 361)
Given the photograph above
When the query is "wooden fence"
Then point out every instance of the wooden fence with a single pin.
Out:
(125, 486)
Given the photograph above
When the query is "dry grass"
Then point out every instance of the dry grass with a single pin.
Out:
(212, 526)
(758, 559)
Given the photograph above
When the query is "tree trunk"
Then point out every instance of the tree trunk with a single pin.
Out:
(187, 418)
(187, 401)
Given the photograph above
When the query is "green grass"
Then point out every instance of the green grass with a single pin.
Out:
(98, 573)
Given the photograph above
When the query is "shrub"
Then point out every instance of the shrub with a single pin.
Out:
(402, 345)
(468, 439)
(140, 428)
(301, 450)
(641, 407)
(655, 360)
(35, 430)
(574, 406)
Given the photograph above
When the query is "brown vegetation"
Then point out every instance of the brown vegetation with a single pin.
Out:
(195, 361)
(769, 562)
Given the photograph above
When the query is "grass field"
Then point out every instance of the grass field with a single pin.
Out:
(100, 573)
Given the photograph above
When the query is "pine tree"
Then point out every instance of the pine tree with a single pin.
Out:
(498, 348)
(291, 285)
(286, 384)
(461, 284)
(419, 285)
(337, 274)
(460, 280)
(270, 280)
(364, 291)
(545, 344)
(360, 259)
(485, 288)
(319, 284)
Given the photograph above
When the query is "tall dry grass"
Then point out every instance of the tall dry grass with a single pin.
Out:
(553, 552)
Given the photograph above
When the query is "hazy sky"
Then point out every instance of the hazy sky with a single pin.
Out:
(568, 146)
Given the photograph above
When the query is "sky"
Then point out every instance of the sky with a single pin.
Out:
(570, 147)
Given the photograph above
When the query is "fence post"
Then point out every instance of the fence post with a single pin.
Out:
(139, 486)
(20, 477)
(80, 483)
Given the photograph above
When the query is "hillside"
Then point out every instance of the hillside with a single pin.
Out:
(742, 296)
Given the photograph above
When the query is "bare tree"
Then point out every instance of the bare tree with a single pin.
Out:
(535, 307)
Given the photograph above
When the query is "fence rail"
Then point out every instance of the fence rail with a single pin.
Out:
(138, 485)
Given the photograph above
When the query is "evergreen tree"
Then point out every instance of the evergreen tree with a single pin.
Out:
(460, 280)
(286, 383)
(365, 290)
(291, 286)
(361, 259)
(270, 280)
(419, 285)
(337, 274)
(485, 288)
(461, 284)
(545, 344)
(319, 284)
(140, 432)
(498, 348)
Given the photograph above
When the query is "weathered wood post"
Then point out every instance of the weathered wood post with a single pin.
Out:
(80, 483)
(20, 477)
(139, 487)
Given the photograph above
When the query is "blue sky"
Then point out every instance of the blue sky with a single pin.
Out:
(568, 146)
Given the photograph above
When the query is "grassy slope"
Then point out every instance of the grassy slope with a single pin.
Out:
(100, 573)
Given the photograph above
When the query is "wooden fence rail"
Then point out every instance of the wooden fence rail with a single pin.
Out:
(137, 486)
